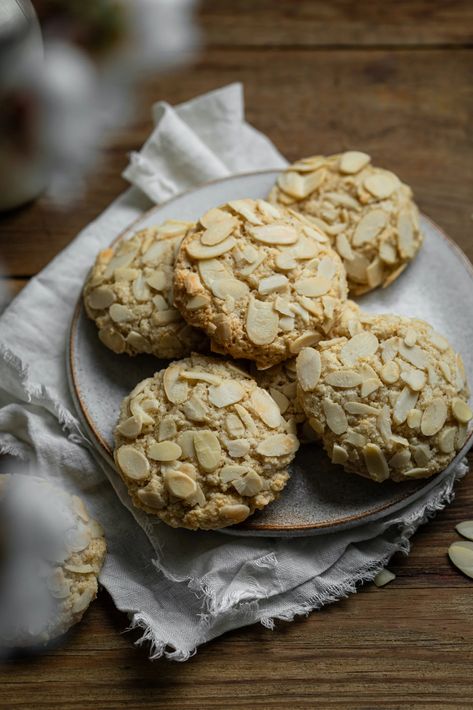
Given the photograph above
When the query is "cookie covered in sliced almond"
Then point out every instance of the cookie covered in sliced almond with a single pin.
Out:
(200, 445)
(52, 554)
(129, 295)
(390, 401)
(262, 283)
(368, 213)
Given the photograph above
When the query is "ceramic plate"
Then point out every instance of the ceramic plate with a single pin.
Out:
(319, 497)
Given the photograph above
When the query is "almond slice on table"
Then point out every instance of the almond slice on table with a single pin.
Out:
(384, 577)
(465, 529)
(461, 555)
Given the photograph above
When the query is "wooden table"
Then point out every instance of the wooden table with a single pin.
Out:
(390, 78)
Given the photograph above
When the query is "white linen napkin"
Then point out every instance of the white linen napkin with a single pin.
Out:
(181, 588)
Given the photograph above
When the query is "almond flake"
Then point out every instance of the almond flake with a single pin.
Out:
(285, 261)
(101, 297)
(298, 186)
(194, 409)
(369, 226)
(414, 418)
(156, 252)
(207, 449)
(179, 484)
(119, 261)
(389, 349)
(246, 418)
(465, 529)
(278, 445)
(249, 485)
(419, 472)
(387, 252)
(406, 401)
(390, 372)
(313, 232)
(197, 250)
(313, 287)
(213, 216)
(383, 423)
(362, 345)
(235, 513)
(167, 428)
(281, 400)
(164, 451)
(133, 463)
(308, 368)
(238, 448)
(360, 408)
(261, 322)
(344, 378)
(356, 268)
(120, 314)
(400, 459)
(225, 287)
(369, 386)
(375, 273)
(245, 209)
(196, 302)
(172, 315)
(354, 438)
(434, 417)
(226, 393)
(286, 324)
(305, 249)
(438, 341)
(446, 440)
(173, 228)
(340, 198)
(384, 577)
(234, 426)
(335, 416)
(231, 472)
(461, 555)
(410, 337)
(405, 236)
(461, 411)
(218, 231)
(176, 390)
(353, 161)
(414, 355)
(381, 185)
(125, 274)
(283, 306)
(130, 427)
(274, 233)
(266, 408)
(375, 462)
(414, 378)
(186, 441)
(339, 455)
(422, 454)
(343, 247)
(270, 284)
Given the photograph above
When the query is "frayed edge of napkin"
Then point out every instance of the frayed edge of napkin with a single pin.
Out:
(333, 593)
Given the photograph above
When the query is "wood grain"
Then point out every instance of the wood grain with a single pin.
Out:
(393, 79)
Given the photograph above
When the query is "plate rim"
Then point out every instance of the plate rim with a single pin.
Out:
(253, 528)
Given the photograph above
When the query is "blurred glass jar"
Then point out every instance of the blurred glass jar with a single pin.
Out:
(23, 174)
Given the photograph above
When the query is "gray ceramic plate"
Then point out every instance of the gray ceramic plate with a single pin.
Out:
(436, 286)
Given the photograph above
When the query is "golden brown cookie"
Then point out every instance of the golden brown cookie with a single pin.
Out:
(200, 445)
(129, 295)
(260, 282)
(389, 402)
(368, 213)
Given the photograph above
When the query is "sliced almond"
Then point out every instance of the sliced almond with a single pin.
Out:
(172, 315)
(285, 261)
(299, 187)
(387, 252)
(406, 401)
(278, 445)
(354, 438)
(405, 236)
(213, 216)
(414, 418)
(369, 386)
(200, 376)
(138, 342)
(415, 379)
(130, 427)
(389, 349)
(177, 390)
(156, 252)
(158, 280)
(246, 418)
(164, 451)
(79, 569)
(384, 577)
(119, 261)
(465, 529)
(196, 250)
(194, 409)
(207, 449)
(353, 161)
(238, 448)
(335, 416)
(375, 462)
(101, 297)
(231, 472)
(400, 459)
(362, 345)
(461, 555)
(196, 302)
(305, 249)
(446, 440)
(235, 513)
(342, 199)
(313, 286)
(438, 341)
(222, 288)
(339, 455)
(343, 246)
(280, 398)
(246, 208)
(375, 273)
(261, 322)
(125, 274)
(266, 408)
(186, 441)
(434, 417)
(249, 485)
(390, 372)
(167, 428)
(226, 393)
(419, 472)
(308, 368)
(383, 422)
(218, 231)
(282, 305)
(344, 378)
(461, 411)
(179, 484)
(120, 313)
(270, 284)
(274, 233)
(234, 426)
(360, 408)
(381, 185)
(369, 226)
(133, 463)
(211, 270)
(414, 355)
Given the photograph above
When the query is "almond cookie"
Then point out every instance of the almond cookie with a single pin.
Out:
(200, 445)
(389, 402)
(368, 213)
(262, 283)
(53, 553)
(129, 295)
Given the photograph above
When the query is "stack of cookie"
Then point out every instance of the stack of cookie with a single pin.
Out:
(207, 441)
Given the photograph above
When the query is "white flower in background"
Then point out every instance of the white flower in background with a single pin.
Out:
(57, 111)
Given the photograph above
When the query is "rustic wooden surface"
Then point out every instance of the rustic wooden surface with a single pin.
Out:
(393, 79)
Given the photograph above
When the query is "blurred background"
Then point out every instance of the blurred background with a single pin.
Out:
(390, 78)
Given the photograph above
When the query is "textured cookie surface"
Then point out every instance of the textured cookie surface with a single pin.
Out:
(389, 402)
(368, 213)
(200, 445)
(262, 283)
(52, 556)
(129, 295)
